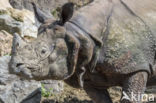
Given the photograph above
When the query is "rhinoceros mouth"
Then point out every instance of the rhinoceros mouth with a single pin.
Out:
(24, 70)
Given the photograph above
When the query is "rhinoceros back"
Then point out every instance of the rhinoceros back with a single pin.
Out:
(130, 43)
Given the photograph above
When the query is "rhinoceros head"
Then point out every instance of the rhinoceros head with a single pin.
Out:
(47, 57)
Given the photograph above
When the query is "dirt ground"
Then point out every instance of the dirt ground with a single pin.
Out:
(72, 95)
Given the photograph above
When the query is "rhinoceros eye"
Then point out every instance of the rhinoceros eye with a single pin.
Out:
(43, 51)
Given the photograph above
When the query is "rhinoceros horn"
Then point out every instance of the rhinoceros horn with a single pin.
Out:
(17, 41)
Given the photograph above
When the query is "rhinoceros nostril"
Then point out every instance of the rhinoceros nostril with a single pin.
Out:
(19, 64)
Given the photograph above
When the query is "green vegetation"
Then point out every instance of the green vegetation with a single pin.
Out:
(7, 54)
(46, 93)
(56, 12)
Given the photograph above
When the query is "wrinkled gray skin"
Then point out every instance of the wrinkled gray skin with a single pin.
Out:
(106, 43)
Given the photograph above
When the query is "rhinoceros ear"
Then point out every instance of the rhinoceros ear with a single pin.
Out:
(67, 12)
(41, 16)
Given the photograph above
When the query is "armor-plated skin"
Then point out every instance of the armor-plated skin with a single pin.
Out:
(105, 43)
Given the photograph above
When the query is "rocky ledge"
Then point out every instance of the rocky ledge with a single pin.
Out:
(16, 90)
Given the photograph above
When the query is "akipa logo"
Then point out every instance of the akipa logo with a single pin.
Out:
(139, 97)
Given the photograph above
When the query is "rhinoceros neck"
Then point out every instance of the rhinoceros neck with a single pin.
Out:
(93, 17)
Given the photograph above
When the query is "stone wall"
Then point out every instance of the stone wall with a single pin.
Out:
(22, 21)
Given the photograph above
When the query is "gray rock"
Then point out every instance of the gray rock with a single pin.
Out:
(5, 43)
(56, 86)
(46, 5)
(8, 24)
(4, 4)
(16, 90)
(14, 20)
(11, 25)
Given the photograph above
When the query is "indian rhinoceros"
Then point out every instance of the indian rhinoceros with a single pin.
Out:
(103, 44)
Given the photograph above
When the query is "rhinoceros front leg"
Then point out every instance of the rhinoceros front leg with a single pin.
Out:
(85, 56)
(97, 95)
(133, 87)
